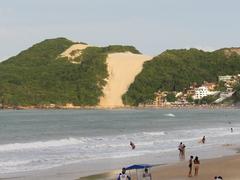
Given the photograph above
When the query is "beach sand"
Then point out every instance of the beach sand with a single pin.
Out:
(227, 167)
(122, 69)
(74, 51)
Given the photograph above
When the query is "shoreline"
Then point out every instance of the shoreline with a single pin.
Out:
(226, 166)
(120, 107)
(108, 169)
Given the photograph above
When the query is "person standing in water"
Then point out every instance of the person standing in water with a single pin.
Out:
(203, 139)
(132, 145)
(181, 149)
(231, 130)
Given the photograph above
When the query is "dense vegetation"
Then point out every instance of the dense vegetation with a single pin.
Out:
(175, 70)
(236, 96)
(37, 76)
(119, 48)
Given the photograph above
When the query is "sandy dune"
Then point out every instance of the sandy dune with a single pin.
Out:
(74, 51)
(122, 69)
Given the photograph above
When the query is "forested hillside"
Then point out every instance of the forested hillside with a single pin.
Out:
(41, 76)
(174, 70)
(38, 76)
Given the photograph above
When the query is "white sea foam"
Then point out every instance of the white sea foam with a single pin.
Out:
(161, 133)
(40, 144)
(170, 115)
(46, 154)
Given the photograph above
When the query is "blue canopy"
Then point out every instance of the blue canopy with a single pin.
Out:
(138, 166)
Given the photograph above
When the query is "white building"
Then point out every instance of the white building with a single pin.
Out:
(225, 78)
(201, 92)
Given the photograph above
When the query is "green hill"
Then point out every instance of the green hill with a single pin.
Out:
(37, 76)
(40, 76)
(175, 70)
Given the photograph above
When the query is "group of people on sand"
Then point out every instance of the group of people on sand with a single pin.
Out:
(193, 164)
(145, 176)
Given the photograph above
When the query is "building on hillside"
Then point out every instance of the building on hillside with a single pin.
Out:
(229, 90)
(160, 98)
(203, 91)
(225, 78)
(190, 92)
(209, 86)
(200, 92)
(178, 94)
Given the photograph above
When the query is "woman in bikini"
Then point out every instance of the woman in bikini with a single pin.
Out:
(196, 166)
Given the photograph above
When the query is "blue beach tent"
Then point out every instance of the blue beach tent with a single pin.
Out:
(138, 166)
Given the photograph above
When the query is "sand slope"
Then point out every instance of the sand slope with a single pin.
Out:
(74, 51)
(122, 69)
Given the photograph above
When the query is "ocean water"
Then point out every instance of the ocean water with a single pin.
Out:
(41, 139)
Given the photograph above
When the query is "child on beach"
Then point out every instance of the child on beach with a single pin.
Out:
(190, 166)
(196, 166)
(123, 175)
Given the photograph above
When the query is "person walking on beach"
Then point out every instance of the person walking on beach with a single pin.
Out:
(196, 166)
(190, 164)
(147, 175)
(123, 175)
(231, 130)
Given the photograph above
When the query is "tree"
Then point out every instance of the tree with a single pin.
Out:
(189, 99)
(171, 97)
(208, 99)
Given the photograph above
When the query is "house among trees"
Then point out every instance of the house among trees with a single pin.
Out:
(160, 98)
(210, 86)
(224, 78)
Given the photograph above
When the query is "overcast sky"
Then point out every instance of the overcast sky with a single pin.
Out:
(152, 26)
